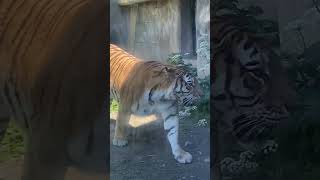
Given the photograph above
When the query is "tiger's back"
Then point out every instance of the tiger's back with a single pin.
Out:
(122, 66)
(131, 77)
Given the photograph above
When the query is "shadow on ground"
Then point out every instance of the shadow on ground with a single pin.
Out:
(148, 155)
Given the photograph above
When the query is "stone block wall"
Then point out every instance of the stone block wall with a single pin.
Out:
(203, 37)
(157, 30)
(152, 30)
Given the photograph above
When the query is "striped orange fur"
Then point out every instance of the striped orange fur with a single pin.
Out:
(128, 73)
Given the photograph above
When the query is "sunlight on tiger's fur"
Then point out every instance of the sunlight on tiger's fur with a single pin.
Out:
(137, 121)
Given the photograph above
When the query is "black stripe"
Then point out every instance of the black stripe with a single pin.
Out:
(169, 116)
(243, 97)
(151, 102)
(229, 31)
(260, 74)
(252, 63)
(171, 133)
(168, 130)
(181, 85)
(252, 104)
(239, 118)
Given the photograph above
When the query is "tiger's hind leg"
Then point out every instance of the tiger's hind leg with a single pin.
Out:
(120, 135)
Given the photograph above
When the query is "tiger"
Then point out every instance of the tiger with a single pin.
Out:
(150, 87)
(53, 81)
(250, 89)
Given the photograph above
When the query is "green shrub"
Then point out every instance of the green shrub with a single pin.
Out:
(114, 106)
(12, 144)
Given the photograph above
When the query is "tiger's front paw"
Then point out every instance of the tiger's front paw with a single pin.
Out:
(183, 157)
(119, 142)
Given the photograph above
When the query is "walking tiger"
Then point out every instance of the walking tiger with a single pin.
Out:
(150, 87)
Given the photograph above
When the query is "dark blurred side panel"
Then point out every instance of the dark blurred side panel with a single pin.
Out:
(54, 89)
(265, 89)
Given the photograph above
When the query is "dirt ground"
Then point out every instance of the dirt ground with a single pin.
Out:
(148, 155)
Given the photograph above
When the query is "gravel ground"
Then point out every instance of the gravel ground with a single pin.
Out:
(148, 156)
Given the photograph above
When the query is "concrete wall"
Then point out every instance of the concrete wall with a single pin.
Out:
(119, 24)
(149, 30)
(203, 37)
(155, 29)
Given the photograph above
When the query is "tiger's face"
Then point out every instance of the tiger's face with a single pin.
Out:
(258, 111)
(250, 90)
(187, 89)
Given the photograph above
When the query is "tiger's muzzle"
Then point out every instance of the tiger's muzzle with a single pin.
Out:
(192, 98)
(258, 123)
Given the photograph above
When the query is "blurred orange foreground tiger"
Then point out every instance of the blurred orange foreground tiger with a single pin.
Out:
(150, 87)
(53, 78)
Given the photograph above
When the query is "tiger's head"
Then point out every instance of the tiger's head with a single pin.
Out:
(183, 86)
(187, 89)
(250, 88)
